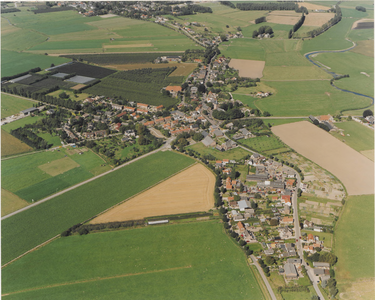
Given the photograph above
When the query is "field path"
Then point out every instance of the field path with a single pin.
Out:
(165, 146)
(95, 279)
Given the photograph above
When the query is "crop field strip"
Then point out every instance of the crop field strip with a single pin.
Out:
(129, 265)
(27, 229)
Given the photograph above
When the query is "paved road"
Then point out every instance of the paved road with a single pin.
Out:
(270, 291)
(166, 146)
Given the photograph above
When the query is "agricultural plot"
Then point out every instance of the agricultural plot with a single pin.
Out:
(117, 263)
(11, 105)
(291, 18)
(355, 267)
(10, 202)
(236, 153)
(365, 48)
(21, 122)
(189, 191)
(307, 139)
(11, 145)
(28, 229)
(141, 86)
(243, 49)
(359, 67)
(265, 144)
(303, 98)
(36, 176)
(248, 68)
(72, 96)
(357, 136)
(276, 122)
(85, 70)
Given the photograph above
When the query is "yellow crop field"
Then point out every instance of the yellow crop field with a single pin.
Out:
(10, 202)
(189, 191)
(10, 145)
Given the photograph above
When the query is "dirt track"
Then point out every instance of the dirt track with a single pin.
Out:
(354, 170)
(188, 191)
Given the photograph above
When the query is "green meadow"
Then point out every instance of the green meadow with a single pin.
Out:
(354, 241)
(264, 143)
(303, 98)
(22, 122)
(360, 137)
(34, 226)
(11, 105)
(189, 261)
(276, 122)
(24, 177)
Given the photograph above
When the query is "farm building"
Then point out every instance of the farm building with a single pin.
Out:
(28, 111)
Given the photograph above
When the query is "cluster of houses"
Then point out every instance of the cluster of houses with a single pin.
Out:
(326, 120)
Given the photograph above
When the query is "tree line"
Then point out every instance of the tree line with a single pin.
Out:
(268, 6)
(260, 20)
(297, 26)
(360, 8)
(228, 3)
(30, 138)
(34, 70)
(329, 24)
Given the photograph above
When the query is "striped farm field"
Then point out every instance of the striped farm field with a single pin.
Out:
(34, 226)
(11, 146)
(184, 261)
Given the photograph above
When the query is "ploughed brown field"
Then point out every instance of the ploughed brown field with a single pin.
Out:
(189, 191)
(354, 170)
(248, 68)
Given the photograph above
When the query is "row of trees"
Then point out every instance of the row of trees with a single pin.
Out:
(260, 20)
(329, 24)
(192, 9)
(228, 3)
(297, 26)
(30, 138)
(268, 6)
(230, 114)
(360, 8)
(34, 70)
(209, 54)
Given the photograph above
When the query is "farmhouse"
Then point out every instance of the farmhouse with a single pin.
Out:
(290, 271)
(173, 89)
(28, 111)
(143, 106)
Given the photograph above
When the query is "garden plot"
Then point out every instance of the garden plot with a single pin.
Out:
(60, 75)
(354, 170)
(248, 68)
(189, 191)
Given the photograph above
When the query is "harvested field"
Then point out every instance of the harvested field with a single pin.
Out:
(11, 146)
(127, 46)
(363, 21)
(369, 154)
(78, 86)
(248, 68)
(59, 166)
(10, 202)
(108, 16)
(361, 289)
(354, 170)
(313, 6)
(189, 191)
(291, 18)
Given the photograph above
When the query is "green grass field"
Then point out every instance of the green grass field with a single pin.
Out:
(11, 145)
(17, 62)
(243, 49)
(264, 143)
(10, 202)
(302, 98)
(28, 229)
(120, 264)
(236, 153)
(352, 64)
(22, 122)
(80, 97)
(360, 137)
(354, 241)
(11, 105)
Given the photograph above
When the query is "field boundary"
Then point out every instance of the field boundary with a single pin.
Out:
(95, 279)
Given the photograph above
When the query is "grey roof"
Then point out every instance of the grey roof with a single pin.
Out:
(318, 271)
(218, 132)
(207, 141)
(244, 131)
(204, 133)
(321, 264)
(329, 125)
(256, 177)
(244, 204)
(290, 270)
(31, 109)
(60, 75)
(294, 260)
(20, 78)
(80, 79)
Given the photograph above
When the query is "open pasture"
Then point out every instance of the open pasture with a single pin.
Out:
(355, 267)
(28, 229)
(243, 49)
(248, 68)
(189, 191)
(365, 48)
(264, 143)
(11, 145)
(21, 122)
(21, 39)
(357, 173)
(236, 153)
(59, 166)
(11, 105)
(10, 202)
(353, 64)
(303, 98)
(118, 265)
(357, 136)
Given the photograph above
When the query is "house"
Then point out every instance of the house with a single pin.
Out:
(309, 249)
(269, 252)
(217, 133)
(208, 142)
(149, 123)
(290, 271)
(289, 183)
(117, 126)
(310, 238)
(159, 108)
(229, 144)
(308, 224)
(142, 111)
(323, 265)
(117, 106)
(173, 89)
(240, 226)
(287, 220)
(129, 108)
(143, 106)
(244, 204)
(327, 118)
(233, 204)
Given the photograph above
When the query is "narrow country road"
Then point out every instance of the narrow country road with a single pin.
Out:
(164, 147)
(270, 291)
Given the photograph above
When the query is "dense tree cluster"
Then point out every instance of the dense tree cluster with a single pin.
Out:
(260, 20)
(360, 8)
(263, 30)
(267, 6)
(228, 3)
(302, 9)
(367, 112)
(192, 9)
(297, 25)
(209, 53)
(191, 54)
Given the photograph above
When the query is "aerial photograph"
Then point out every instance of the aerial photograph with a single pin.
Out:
(198, 150)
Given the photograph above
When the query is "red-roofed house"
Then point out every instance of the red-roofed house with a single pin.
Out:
(129, 108)
(173, 89)
(310, 238)
(149, 123)
(240, 226)
(122, 114)
(117, 126)
(142, 111)
(159, 108)
(143, 106)
(287, 220)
